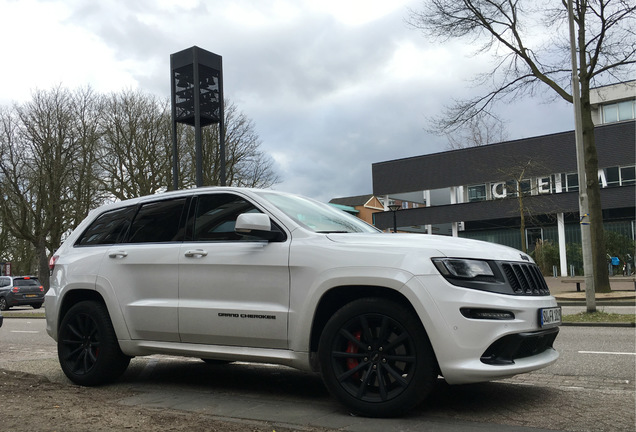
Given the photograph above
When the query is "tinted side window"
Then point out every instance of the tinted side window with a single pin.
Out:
(216, 215)
(108, 228)
(158, 222)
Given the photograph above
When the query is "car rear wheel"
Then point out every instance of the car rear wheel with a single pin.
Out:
(36, 306)
(87, 346)
(376, 359)
(3, 304)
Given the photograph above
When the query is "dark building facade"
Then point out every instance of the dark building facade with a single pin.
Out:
(475, 192)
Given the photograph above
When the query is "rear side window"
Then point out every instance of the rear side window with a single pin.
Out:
(108, 228)
(158, 222)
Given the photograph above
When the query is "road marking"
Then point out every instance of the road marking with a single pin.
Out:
(604, 352)
(24, 331)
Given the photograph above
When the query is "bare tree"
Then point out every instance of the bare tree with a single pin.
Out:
(246, 164)
(484, 128)
(522, 180)
(136, 144)
(526, 59)
(66, 152)
(41, 142)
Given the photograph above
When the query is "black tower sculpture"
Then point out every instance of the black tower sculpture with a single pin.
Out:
(196, 77)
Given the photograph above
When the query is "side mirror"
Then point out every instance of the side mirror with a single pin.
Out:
(256, 225)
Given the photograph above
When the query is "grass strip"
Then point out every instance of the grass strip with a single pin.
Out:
(599, 317)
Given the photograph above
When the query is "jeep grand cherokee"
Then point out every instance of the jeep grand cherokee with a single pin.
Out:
(227, 274)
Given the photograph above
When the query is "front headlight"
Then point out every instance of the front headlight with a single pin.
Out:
(463, 268)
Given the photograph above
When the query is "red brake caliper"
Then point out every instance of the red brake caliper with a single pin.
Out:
(353, 349)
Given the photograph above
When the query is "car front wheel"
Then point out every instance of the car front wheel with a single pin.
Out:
(375, 357)
(87, 346)
(3, 304)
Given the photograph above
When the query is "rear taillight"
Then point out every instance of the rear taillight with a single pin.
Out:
(52, 262)
(41, 288)
(15, 289)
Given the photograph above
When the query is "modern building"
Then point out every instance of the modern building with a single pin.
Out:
(362, 206)
(483, 192)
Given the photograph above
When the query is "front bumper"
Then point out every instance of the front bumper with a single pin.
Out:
(475, 350)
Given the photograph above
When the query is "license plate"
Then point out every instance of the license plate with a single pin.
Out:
(550, 316)
(30, 295)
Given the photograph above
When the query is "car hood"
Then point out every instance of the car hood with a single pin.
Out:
(434, 245)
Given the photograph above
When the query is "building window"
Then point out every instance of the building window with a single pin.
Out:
(571, 182)
(477, 193)
(526, 187)
(628, 175)
(618, 111)
(544, 185)
(612, 177)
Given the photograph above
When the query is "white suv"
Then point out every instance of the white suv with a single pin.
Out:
(252, 275)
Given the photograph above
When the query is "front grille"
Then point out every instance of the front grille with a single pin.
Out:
(516, 346)
(525, 279)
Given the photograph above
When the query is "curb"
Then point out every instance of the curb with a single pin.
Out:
(599, 324)
(598, 303)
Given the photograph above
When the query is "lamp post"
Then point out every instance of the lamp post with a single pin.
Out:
(586, 235)
(394, 208)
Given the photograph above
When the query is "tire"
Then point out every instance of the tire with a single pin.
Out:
(87, 346)
(3, 304)
(36, 306)
(375, 358)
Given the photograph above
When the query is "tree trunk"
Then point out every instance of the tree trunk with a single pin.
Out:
(597, 240)
(43, 264)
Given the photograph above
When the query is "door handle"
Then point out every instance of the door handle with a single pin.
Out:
(197, 253)
(118, 254)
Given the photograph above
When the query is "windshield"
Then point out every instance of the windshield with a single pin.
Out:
(316, 216)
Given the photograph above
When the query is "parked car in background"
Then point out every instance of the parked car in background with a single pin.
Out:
(20, 291)
(231, 274)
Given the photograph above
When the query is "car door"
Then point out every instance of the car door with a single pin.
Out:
(233, 290)
(143, 272)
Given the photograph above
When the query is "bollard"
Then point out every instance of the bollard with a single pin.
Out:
(554, 271)
(572, 273)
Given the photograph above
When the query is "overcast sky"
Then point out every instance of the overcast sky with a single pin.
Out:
(331, 85)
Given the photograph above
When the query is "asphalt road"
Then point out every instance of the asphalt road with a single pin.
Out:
(590, 388)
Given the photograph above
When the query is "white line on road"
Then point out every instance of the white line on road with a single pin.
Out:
(24, 331)
(603, 352)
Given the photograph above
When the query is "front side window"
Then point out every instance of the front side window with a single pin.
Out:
(158, 222)
(108, 228)
(215, 217)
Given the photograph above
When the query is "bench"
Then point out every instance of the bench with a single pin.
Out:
(578, 282)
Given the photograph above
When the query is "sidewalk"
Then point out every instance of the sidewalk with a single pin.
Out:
(623, 292)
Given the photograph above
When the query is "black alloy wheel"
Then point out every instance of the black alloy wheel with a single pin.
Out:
(375, 357)
(87, 346)
(3, 304)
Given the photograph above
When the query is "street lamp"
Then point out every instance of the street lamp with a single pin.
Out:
(394, 208)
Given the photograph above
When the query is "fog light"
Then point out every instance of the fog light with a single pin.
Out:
(487, 314)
